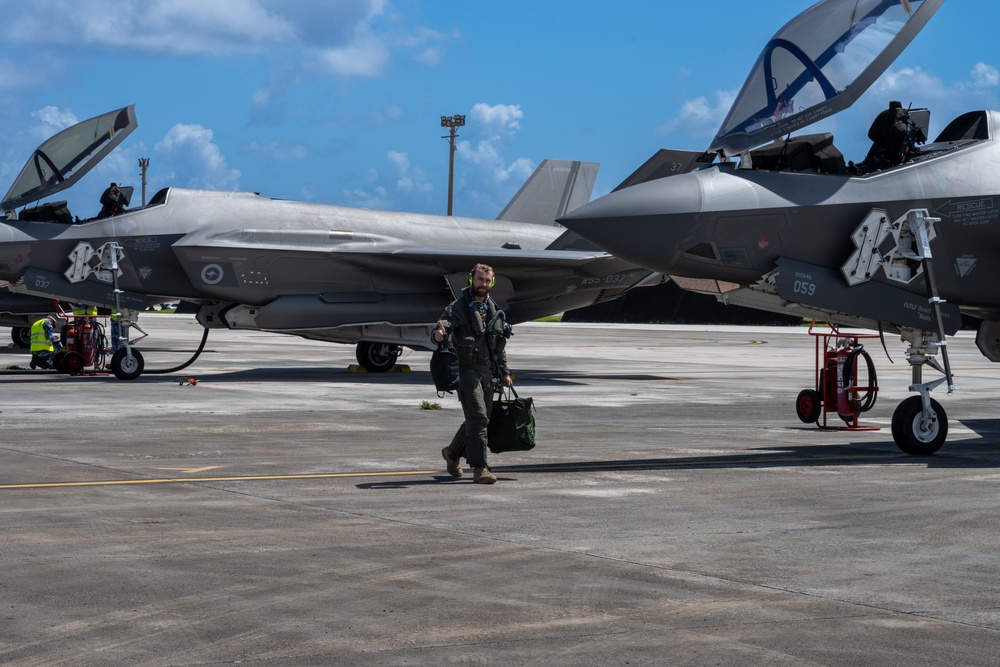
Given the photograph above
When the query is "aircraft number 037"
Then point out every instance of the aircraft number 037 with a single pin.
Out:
(613, 279)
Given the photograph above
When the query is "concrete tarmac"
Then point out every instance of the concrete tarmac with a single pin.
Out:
(284, 511)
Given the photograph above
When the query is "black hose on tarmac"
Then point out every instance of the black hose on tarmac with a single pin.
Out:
(204, 338)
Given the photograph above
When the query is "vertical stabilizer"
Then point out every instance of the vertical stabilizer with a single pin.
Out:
(556, 188)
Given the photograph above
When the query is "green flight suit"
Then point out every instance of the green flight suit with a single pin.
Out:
(482, 361)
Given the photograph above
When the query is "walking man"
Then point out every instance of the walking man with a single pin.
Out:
(480, 331)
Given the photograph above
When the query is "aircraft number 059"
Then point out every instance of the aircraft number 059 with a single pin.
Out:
(804, 287)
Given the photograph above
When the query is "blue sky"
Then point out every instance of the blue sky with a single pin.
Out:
(339, 101)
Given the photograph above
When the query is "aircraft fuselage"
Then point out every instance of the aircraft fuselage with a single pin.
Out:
(303, 267)
(729, 224)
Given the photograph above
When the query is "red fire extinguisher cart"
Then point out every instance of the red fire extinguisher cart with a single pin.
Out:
(83, 345)
(838, 356)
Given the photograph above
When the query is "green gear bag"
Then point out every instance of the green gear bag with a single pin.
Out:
(512, 423)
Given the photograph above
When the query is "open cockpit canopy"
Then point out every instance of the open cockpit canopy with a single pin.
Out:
(819, 64)
(63, 159)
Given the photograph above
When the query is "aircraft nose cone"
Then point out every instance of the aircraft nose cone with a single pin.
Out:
(647, 224)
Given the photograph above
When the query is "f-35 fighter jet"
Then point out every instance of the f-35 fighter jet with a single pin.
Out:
(377, 279)
(905, 240)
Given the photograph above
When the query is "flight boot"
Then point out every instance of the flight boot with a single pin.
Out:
(454, 469)
(484, 476)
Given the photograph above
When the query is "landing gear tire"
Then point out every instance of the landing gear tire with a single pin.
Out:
(20, 336)
(126, 367)
(377, 357)
(808, 406)
(914, 434)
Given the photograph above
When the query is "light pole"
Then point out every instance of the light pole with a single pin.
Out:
(144, 165)
(451, 122)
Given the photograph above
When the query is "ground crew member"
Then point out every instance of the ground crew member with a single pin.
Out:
(84, 310)
(117, 342)
(43, 342)
(479, 331)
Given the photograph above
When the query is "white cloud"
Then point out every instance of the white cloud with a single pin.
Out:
(190, 151)
(174, 27)
(410, 179)
(520, 169)
(505, 118)
(984, 75)
(700, 116)
(371, 195)
(51, 120)
(365, 55)
(277, 151)
(903, 83)
(499, 123)
(344, 38)
(377, 197)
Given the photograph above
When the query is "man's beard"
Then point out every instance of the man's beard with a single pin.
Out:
(481, 290)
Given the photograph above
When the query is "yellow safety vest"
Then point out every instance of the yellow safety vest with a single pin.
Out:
(39, 341)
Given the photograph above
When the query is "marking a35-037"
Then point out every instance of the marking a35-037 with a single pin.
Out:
(612, 279)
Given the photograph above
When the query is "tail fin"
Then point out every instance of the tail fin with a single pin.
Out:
(556, 188)
(666, 162)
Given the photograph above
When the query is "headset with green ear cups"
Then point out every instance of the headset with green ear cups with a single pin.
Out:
(493, 280)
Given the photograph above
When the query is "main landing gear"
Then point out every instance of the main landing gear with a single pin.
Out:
(377, 357)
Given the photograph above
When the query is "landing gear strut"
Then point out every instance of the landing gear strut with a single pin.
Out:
(902, 248)
(920, 424)
(127, 362)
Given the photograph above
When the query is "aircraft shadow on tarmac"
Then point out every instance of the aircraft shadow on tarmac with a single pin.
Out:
(972, 454)
(524, 378)
(989, 429)
(340, 375)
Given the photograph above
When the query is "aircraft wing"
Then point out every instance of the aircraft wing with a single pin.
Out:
(362, 251)
(500, 257)
(250, 272)
(817, 65)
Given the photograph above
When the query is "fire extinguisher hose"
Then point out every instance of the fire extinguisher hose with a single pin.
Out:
(866, 402)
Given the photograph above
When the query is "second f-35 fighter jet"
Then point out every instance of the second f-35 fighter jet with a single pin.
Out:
(377, 279)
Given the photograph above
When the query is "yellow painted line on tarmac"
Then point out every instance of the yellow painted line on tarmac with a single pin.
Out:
(747, 460)
(195, 480)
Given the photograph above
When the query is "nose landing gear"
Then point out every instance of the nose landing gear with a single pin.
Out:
(920, 424)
